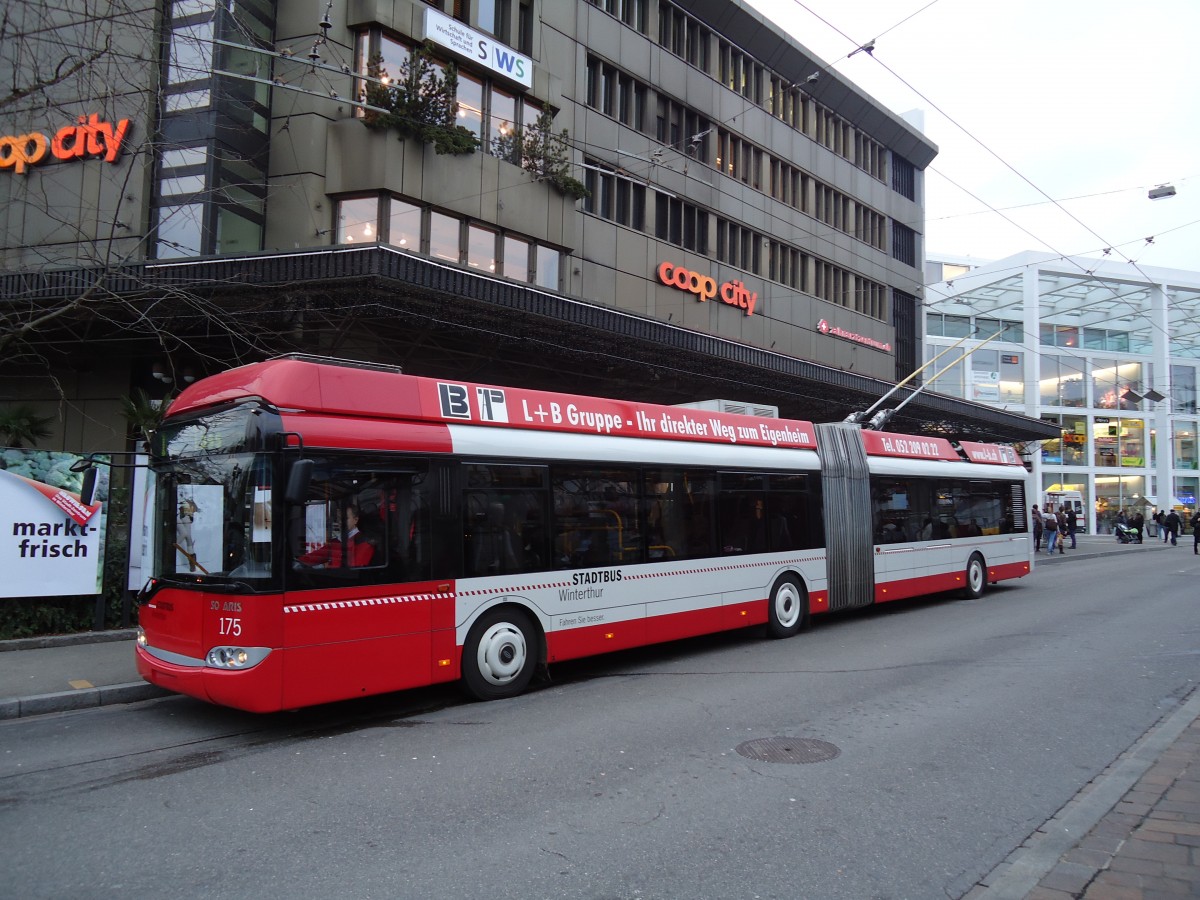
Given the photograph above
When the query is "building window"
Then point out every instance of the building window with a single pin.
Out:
(1183, 442)
(503, 123)
(481, 248)
(444, 237)
(904, 244)
(939, 325)
(358, 220)
(404, 225)
(1185, 492)
(525, 26)
(1062, 381)
(1111, 382)
(546, 273)
(1059, 336)
(191, 53)
(951, 380)
(681, 223)
(1012, 375)
(229, 180)
(470, 104)
(1009, 332)
(180, 230)
(904, 177)
(516, 258)
(1183, 389)
(613, 196)
(1119, 443)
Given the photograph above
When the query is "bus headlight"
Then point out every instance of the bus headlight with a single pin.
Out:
(236, 657)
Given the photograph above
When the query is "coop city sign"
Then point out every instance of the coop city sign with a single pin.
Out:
(704, 287)
(87, 138)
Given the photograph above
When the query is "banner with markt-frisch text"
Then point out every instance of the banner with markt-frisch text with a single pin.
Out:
(51, 544)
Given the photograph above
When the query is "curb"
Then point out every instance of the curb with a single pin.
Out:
(68, 640)
(65, 701)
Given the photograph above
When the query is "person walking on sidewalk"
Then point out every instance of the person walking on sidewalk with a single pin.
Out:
(1037, 529)
(1062, 530)
(1171, 522)
(1050, 523)
(1195, 523)
(1072, 524)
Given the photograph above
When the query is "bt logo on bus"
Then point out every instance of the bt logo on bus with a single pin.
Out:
(455, 402)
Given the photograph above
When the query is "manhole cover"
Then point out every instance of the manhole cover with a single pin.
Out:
(788, 750)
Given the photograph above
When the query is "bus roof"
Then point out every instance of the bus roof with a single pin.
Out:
(329, 387)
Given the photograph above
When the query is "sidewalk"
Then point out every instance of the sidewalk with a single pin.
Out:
(1133, 833)
(74, 671)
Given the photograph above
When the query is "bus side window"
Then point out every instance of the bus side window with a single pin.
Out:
(597, 517)
(385, 539)
(503, 517)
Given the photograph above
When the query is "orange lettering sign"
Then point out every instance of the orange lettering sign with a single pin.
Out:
(89, 137)
(704, 287)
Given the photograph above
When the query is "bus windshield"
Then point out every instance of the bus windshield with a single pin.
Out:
(214, 501)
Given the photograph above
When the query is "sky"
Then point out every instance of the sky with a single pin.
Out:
(1089, 103)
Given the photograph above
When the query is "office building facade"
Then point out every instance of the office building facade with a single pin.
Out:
(624, 197)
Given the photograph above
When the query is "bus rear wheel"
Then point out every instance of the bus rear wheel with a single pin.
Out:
(499, 655)
(975, 578)
(787, 608)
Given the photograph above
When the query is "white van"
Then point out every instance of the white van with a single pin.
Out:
(1056, 500)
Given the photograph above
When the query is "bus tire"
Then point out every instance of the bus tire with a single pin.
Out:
(787, 607)
(499, 655)
(975, 578)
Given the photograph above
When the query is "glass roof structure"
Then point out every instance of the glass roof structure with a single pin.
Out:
(1082, 292)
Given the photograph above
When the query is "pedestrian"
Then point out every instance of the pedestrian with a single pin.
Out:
(1037, 529)
(1072, 523)
(1195, 523)
(1062, 530)
(1050, 523)
(1139, 522)
(1171, 521)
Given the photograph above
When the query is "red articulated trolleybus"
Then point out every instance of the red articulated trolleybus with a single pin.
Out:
(327, 530)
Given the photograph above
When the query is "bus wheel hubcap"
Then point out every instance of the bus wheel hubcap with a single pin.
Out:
(787, 605)
(501, 655)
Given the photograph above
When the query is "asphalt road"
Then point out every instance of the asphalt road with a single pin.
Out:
(959, 727)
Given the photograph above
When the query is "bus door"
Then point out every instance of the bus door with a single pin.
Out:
(359, 605)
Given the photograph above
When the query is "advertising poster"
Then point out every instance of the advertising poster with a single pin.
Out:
(985, 386)
(51, 545)
(141, 524)
(201, 511)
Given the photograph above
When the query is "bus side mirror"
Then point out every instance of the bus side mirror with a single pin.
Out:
(299, 478)
(88, 491)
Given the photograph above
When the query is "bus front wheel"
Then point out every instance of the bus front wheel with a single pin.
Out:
(787, 609)
(975, 578)
(499, 655)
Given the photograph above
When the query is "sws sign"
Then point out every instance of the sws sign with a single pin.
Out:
(88, 138)
(704, 287)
